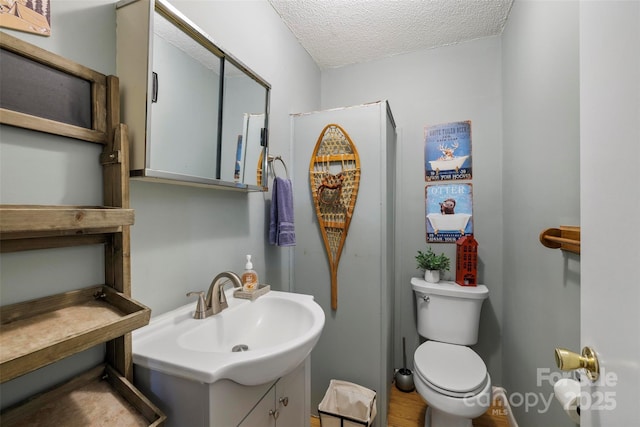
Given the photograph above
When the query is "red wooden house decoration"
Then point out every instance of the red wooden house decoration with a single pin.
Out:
(467, 261)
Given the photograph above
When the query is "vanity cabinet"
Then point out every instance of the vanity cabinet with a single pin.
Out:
(39, 332)
(196, 115)
(281, 403)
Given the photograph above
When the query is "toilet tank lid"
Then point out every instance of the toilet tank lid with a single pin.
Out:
(451, 289)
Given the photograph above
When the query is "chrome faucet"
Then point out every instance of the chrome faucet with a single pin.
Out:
(215, 301)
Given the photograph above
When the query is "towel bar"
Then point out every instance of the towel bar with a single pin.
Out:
(271, 159)
(567, 238)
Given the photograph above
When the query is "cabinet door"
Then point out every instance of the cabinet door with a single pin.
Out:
(262, 415)
(290, 399)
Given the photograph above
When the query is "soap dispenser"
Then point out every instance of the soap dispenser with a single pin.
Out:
(249, 277)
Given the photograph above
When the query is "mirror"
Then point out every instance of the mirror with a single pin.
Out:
(243, 118)
(184, 105)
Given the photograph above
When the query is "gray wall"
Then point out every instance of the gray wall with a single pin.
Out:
(541, 188)
(520, 91)
(183, 236)
(36, 168)
(201, 232)
(454, 83)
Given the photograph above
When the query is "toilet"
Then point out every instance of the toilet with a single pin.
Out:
(449, 375)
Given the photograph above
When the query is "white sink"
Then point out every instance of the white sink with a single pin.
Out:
(279, 330)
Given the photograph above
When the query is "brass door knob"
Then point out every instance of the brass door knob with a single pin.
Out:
(568, 361)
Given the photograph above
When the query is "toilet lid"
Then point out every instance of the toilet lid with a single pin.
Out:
(453, 369)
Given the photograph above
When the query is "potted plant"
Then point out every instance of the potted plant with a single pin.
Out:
(432, 264)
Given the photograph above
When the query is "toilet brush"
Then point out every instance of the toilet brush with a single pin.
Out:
(404, 376)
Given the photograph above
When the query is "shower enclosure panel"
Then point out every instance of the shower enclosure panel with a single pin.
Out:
(356, 343)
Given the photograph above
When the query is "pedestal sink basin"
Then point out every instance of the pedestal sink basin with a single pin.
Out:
(251, 342)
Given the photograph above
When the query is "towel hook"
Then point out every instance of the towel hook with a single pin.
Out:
(271, 159)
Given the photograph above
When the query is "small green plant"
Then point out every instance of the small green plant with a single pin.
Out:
(431, 261)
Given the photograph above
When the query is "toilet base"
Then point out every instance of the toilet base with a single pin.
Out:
(459, 411)
(435, 418)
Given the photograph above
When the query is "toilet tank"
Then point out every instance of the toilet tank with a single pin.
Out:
(448, 312)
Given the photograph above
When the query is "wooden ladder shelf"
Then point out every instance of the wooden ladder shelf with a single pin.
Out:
(39, 332)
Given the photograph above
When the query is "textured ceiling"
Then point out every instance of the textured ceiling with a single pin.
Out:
(342, 32)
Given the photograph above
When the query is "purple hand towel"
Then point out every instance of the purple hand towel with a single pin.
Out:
(281, 227)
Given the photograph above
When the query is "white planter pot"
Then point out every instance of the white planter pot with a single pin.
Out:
(432, 276)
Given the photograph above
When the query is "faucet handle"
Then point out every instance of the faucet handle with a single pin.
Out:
(201, 307)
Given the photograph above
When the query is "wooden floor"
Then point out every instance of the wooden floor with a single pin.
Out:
(407, 410)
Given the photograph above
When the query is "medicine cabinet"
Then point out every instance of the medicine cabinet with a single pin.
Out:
(196, 115)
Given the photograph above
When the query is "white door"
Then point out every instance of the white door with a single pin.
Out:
(610, 208)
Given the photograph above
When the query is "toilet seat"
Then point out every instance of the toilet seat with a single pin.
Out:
(453, 370)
